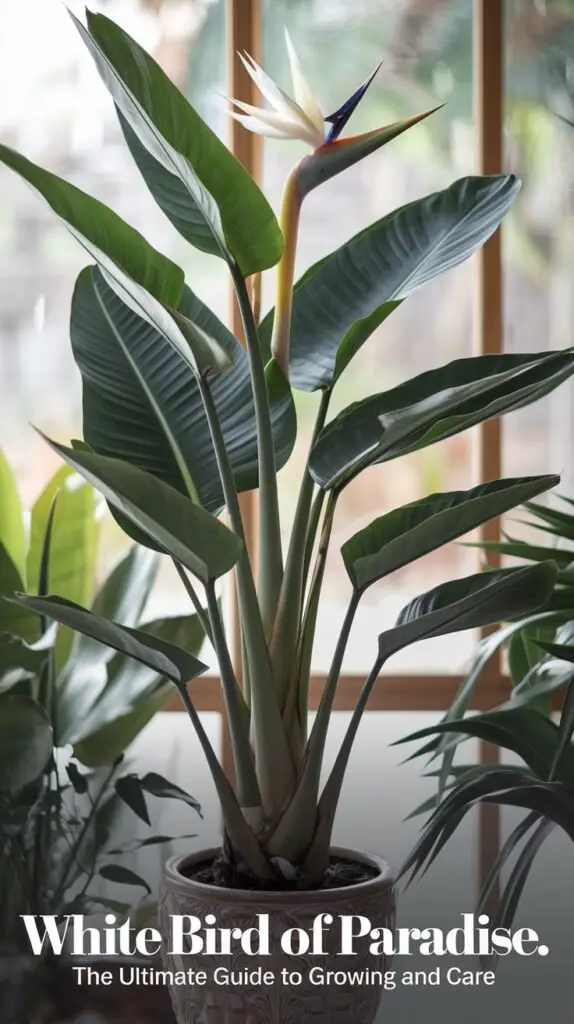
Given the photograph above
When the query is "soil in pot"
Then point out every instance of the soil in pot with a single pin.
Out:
(219, 872)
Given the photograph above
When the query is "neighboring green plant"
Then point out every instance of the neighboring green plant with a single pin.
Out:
(69, 708)
(537, 647)
(543, 785)
(179, 419)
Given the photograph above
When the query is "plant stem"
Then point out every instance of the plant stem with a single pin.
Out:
(237, 711)
(291, 202)
(284, 640)
(296, 828)
(314, 520)
(200, 611)
(300, 690)
(275, 767)
(240, 832)
(318, 857)
(270, 547)
(321, 724)
(76, 847)
(256, 297)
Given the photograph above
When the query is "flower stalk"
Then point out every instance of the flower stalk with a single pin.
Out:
(291, 202)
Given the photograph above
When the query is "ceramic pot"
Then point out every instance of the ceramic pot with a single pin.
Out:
(275, 1002)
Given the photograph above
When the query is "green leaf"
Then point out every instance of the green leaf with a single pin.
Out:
(530, 735)
(342, 299)
(130, 377)
(494, 875)
(469, 603)
(335, 157)
(12, 533)
(125, 591)
(114, 245)
(182, 529)
(142, 844)
(121, 598)
(107, 742)
(156, 785)
(164, 658)
(514, 887)
(551, 800)
(132, 695)
(560, 651)
(25, 742)
(122, 876)
(130, 790)
(486, 649)
(73, 545)
(562, 522)
(564, 752)
(14, 620)
(206, 193)
(435, 405)
(523, 650)
(453, 809)
(521, 549)
(408, 533)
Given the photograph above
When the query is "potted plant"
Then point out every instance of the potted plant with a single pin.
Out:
(69, 708)
(180, 418)
(540, 657)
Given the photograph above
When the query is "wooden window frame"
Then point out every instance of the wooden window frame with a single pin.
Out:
(405, 692)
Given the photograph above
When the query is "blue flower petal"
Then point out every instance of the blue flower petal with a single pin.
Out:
(339, 119)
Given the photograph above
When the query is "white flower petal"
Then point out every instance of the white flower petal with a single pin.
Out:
(278, 99)
(302, 91)
(271, 117)
(254, 125)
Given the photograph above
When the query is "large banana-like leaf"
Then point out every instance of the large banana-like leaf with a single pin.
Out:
(203, 189)
(165, 658)
(408, 533)
(73, 545)
(142, 403)
(116, 247)
(469, 603)
(12, 533)
(340, 301)
(431, 407)
(178, 526)
(25, 741)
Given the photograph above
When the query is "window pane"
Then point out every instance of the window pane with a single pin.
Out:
(61, 116)
(427, 51)
(539, 237)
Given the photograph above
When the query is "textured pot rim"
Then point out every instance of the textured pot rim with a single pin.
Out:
(173, 874)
